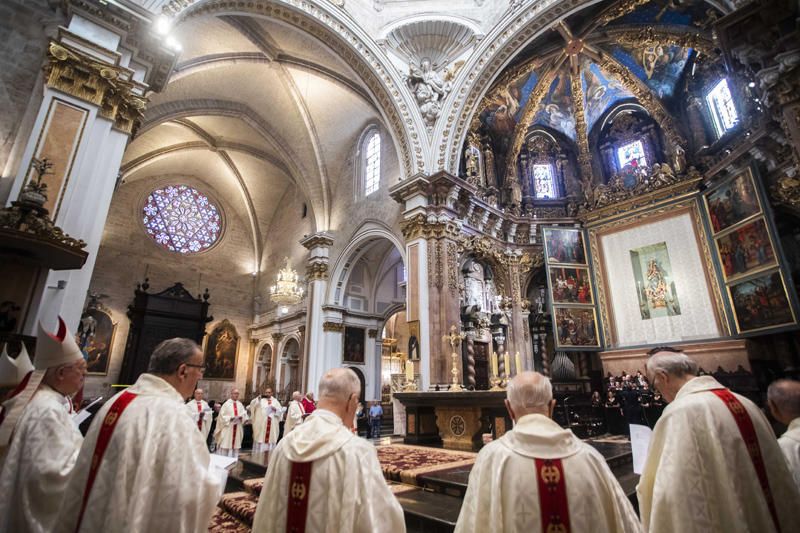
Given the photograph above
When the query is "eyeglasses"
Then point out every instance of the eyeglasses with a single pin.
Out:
(202, 368)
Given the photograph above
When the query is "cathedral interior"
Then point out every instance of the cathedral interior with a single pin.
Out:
(436, 194)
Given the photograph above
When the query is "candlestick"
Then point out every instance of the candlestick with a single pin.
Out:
(494, 364)
(409, 370)
(518, 362)
(508, 367)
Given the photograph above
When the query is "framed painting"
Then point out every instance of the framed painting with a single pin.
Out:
(655, 281)
(564, 246)
(733, 202)
(571, 285)
(746, 250)
(353, 351)
(220, 353)
(95, 338)
(761, 303)
(575, 327)
(413, 339)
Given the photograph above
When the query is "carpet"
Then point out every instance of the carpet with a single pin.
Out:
(241, 505)
(403, 462)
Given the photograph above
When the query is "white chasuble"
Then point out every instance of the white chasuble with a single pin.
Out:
(790, 445)
(503, 490)
(699, 475)
(154, 475)
(347, 492)
(294, 416)
(201, 415)
(38, 463)
(230, 425)
(266, 415)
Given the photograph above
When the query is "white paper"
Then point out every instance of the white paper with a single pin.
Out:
(81, 416)
(222, 461)
(640, 445)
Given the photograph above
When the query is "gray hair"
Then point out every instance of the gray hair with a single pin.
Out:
(529, 390)
(170, 354)
(785, 394)
(339, 384)
(674, 363)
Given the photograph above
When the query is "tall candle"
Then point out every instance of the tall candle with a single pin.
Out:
(409, 370)
(507, 365)
(494, 364)
(518, 362)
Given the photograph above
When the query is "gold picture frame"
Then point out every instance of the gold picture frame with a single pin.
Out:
(731, 263)
(736, 297)
(557, 293)
(569, 321)
(95, 338)
(719, 219)
(564, 255)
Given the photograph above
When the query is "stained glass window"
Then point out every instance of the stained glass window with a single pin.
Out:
(181, 219)
(372, 164)
(632, 154)
(723, 111)
(544, 185)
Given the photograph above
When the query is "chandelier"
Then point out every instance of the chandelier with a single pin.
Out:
(286, 290)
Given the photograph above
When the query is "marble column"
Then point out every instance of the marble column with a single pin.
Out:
(314, 351)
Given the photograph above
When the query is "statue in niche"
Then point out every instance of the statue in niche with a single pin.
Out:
(472, 160)
(430, 88)
(480, 293)
(679, 163)
(488, 163)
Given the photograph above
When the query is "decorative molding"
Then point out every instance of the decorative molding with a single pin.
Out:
(317, 271)
(336, 327)
(638, 38)
(104, 85)
(276, 337)
(372, 333)
(787, 191)
(619, 9)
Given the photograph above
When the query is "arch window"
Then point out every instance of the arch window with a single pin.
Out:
(544, 183)
(632, 154)
(723, 111)
(372, 163)
(181, 219)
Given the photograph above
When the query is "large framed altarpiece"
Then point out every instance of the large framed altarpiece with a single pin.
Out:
(656, 282)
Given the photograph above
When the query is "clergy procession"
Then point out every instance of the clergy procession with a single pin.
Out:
(713, 465)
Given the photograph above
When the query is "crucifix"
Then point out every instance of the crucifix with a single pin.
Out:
(455, 339)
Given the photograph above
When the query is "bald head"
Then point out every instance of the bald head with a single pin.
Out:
(529, 393)
(198, 394)
(783, 397)
(338, 392)
(296, 396)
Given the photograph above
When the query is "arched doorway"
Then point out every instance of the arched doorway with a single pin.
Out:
(363, 381)
(290, 375)
(264, 368)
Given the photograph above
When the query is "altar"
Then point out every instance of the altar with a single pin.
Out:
(454, 420)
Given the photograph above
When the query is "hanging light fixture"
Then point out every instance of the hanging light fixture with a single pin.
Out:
(287, 290)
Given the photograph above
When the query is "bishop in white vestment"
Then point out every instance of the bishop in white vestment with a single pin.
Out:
(44, 442)
(784, 403)
(713, 464)
(323, 478)
(540, 477)
(200, 413)
(230, 425)
(265, 412)
(144, 467)
(294, 414)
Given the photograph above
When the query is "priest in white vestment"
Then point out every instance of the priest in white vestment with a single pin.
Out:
(783, 398)
(230, 426)
(144, 467)
(713, 464)
(294, 414)
(505, 485)
(13, 371)
(265, 412)
(335, 478)
(200, 413)
(44, 442)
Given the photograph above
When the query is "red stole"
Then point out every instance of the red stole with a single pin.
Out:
(199, 419)
(103, 438)
(269, 422)
(235, 413)
(299, 485)
(553, 505)
(748, 433)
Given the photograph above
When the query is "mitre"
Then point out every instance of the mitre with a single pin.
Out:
(55, 350)
(23, 363)
(8, 370)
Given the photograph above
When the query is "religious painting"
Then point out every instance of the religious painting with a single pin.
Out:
(555, 110)
(601, 92)
(746, 249)
(761, 302)
(655, 284)
(658, 65)
(733, 202)
(413, 339)
(564, 246)
(95, 337)
(571, 285)
(576, 327)
(353, 345)
(220, 353)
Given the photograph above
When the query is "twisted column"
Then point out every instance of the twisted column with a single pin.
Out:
(470, 370)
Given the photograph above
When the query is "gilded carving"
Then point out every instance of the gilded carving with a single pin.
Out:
(276, 337)
(650, 36)
(101, 84)
(787, 191)
(620, 9)
(337, 327)
(452, 268)
(317, 271)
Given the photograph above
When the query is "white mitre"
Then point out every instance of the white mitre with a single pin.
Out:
(51, 351)
(23, 363)
(8, 370)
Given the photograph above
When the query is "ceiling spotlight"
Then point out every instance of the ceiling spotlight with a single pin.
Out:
(751, 84)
